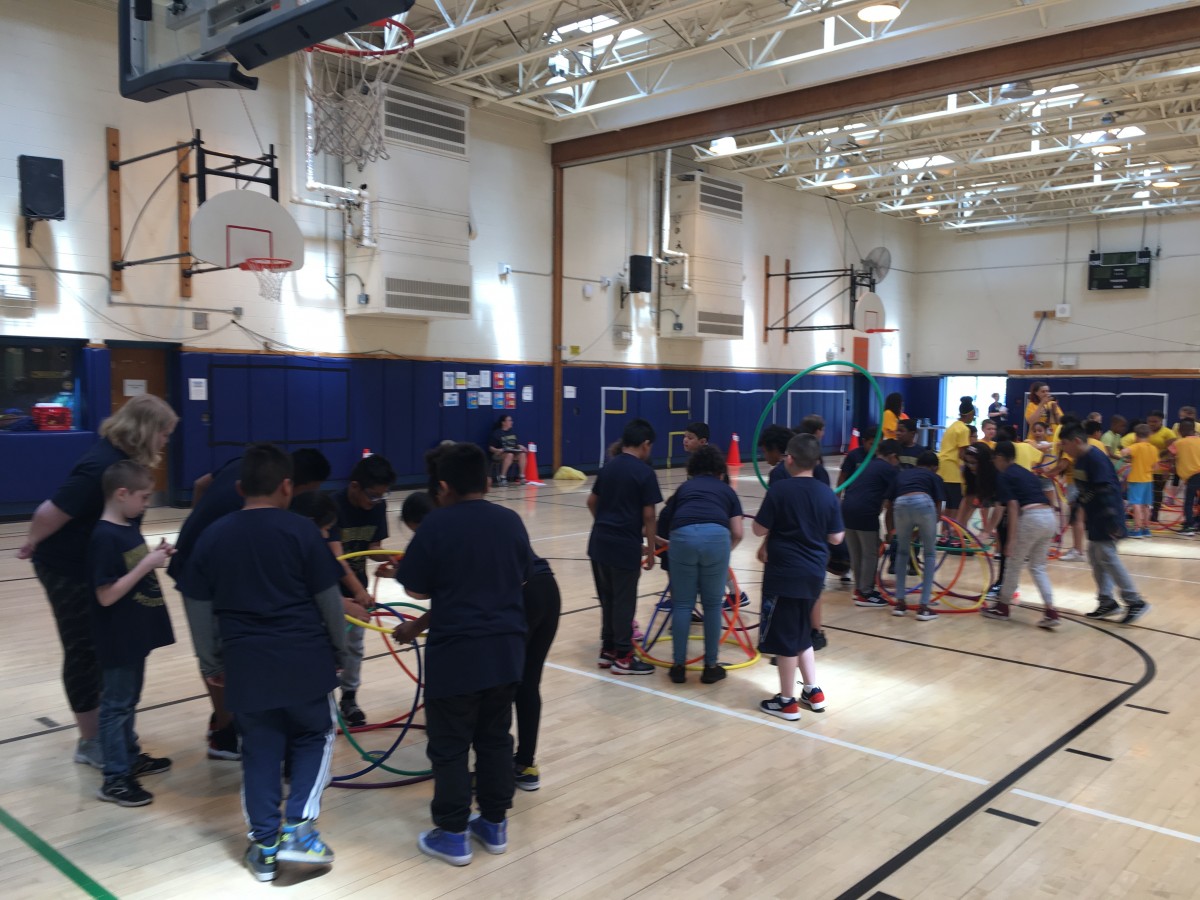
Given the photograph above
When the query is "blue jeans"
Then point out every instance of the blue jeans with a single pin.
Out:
(699, 565)
(118, 703)
(908, 512)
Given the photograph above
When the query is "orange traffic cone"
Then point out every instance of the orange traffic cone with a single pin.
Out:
(853, 440)
(734, 459)
(531, 468)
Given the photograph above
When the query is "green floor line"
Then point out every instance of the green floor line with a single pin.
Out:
(56, 859)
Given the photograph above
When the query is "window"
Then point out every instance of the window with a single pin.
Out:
(37, 371)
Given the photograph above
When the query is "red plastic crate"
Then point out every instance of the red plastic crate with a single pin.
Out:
(51, 417)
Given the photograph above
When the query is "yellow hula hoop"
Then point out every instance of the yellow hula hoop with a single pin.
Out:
(360, 553)
(728, 639)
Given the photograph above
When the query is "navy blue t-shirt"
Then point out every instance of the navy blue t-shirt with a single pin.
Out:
(81, 498)
(472, 559)
(624, 487)
(910, 481)
(853, 460)
(1100, 495)
(910, 455)
(126, 632)
(820, 473)
(704, 500)
(357, 529)
(799, 512)
(1018, 483)
(261, 568)
(863, 501)
(219, 500)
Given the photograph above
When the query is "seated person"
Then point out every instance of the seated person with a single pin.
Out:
(506, 449)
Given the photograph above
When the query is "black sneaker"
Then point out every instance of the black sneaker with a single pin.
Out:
(353, 716)
(678, 674)
(712, 674)
(527, 778)
(124, 790)
(261, 861)
(146, 764)
(225, 743)
(1107, 606)
(631, 665)
(819, 642)
(1135, 612)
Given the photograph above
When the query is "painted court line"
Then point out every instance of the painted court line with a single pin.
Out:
(1101, 814)
(67, 868)
(770, 723)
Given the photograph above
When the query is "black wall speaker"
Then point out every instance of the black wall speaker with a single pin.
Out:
(42, 195)
(641, 278)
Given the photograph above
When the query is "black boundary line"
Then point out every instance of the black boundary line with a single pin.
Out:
(880, 895)
(1004, 659)
(991, 810)
(1161, 712)
(23, 578)
(980, 802)
(1089, 755)
(570, 612)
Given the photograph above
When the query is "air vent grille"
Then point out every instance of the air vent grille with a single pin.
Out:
(424, 122)
(427, 296)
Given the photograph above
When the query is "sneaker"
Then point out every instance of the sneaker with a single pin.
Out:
(261, 861)
(813, 698)
(89, 753)
(678, 673)
(697, 616)
(449, 846)
(145, 764)
(993, 593)
(301, 843)
(502, 481)
(784, 707)
(925, 614)
(1107, 606)
(871, 601)
(351, 714)
(631, 665)
(900, 608)
(606, 659)
(124, 790)
(664, 604)
(225, 743)
(712, 674)
(996, 611)
(1071, 555)
(526, 777)
(819, 642)
(1187, 531)
(844, 579)
(1135, 612)
(743, 602)
(1050, 622)
(493, 835)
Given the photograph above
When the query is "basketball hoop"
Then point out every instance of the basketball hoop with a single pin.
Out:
(346, 88)
(880, 330)
(270, 274)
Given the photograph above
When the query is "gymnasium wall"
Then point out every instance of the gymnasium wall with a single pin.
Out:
(979, 292)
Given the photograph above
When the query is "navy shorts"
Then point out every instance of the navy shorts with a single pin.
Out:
(785, 627)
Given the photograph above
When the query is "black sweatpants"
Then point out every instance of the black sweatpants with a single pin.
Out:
(543, 606)
(617, 590)
(72, 600)
(453, 725)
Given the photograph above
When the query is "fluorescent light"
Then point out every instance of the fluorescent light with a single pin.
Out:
(926, 211)
(884, 11)
(1165, 183)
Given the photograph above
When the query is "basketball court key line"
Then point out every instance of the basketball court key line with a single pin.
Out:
(769, 723)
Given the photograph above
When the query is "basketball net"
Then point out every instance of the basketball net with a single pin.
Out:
(270, 275)
(346, 79)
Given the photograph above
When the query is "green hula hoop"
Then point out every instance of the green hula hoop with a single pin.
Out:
(783, 391)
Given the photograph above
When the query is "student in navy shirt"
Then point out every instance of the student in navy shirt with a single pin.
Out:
(214, 495)
(910, 450)
(773, 441)
(622, 504)
(274, 587)
(704, 521)
(129, 620)
(862, 503)
(58, 540)
(917, 496)
(1104, 508)
(475, 652)
(800, 518)
(362, 525)
(1032, 526)
(815, 425)
(855, 457)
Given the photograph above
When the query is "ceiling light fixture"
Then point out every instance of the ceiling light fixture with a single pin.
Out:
(1106, 144)
(1166, 181)
(723, 146)
(1016, 90)
(927, 211)
(843, 182)
(884, 11)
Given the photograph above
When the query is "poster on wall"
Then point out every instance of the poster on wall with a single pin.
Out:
(460, 381)
(568, 392)
(510, 400)
(472, 382)
(450, 398)
(133, 387)
(472, 399)
(485, 398)
(485, 378)
(447, 381)
(510, 380)
(197, 388)
(498, 380)
(527, 394)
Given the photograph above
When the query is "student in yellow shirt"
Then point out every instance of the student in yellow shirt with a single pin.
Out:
(1185, 412)
(1162, 438)
(1187, 466)
(1064, 468)
(893, 408)
(1143, 459)
(1041, 406)
(956, 439)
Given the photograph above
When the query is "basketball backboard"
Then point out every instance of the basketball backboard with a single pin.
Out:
(234, 226)
(168, 47)
(869, 314)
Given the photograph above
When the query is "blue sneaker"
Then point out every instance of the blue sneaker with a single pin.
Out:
(261, 861)
(493, 835)
(449, 846)
(301, 843)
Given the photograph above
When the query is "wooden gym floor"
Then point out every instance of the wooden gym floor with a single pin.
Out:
(957, 758)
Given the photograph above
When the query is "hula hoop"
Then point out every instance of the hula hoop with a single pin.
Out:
(783, 391)
(945, 592)
(734, 632)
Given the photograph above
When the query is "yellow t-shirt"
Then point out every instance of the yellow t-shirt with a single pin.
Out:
(991, 445)
(889, 424)
(1187, 457)
(1044, 418)
(1098, 444)
(1142, 460)
(957, 436)
(1027, 456)
(1162, 437)
(1128, 438)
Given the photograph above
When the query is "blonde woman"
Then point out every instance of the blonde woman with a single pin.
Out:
(58, 540)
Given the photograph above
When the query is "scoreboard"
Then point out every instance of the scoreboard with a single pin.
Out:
(1119, 271)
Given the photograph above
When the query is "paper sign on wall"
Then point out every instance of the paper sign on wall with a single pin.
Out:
(485, 398)
(473, 382)
(472, 399)
(510, 400)
(447, 381)
(197, 388)
(568, 392)
(498, 380)
(450, 398)
(527, 394)
(460, 380)
(510, 380)
(485, 378)
(134, 387)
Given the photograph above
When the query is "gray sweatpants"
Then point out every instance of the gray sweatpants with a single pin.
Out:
(1035, 531)
(864, 557)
